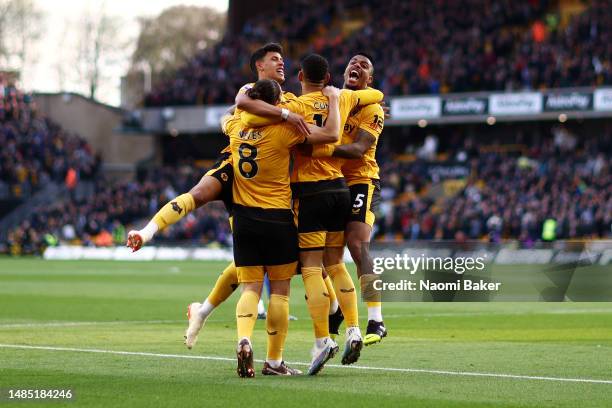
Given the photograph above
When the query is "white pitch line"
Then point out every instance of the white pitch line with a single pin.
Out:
(495, 313)
(350, 367)
(70, 324)
(389, 316)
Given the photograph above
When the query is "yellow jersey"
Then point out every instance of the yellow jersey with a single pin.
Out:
(370, 118)
(314, 175)
(261, 159)
(285, 97)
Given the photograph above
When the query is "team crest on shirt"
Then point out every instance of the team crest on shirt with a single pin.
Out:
(224, 176)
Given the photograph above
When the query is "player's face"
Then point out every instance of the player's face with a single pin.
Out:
(272, 67)
(358, 73)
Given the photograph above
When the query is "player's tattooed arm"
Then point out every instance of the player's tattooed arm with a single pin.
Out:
(357, 149)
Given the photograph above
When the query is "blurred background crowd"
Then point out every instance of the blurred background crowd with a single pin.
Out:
(541, 183)
(419, 48)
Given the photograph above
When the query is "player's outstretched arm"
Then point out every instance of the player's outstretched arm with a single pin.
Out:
(368, 96)
(330, 133)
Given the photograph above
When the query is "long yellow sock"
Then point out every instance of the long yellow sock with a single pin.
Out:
(174, 210)
(317, 300)
(368, 293)
(226, 283)
(374, 304)
(347, 298)
(277, 324)
(333, 299)
(246, 313)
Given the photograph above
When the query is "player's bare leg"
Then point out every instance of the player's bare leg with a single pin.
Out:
(347, 298)
(358, 239)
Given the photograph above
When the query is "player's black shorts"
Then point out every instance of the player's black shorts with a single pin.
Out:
(365, 199)
(264, 237)
(322, 218)
(223, 171)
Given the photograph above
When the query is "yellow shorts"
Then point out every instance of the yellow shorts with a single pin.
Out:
(247, 274)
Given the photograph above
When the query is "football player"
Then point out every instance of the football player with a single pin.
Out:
(267, 63)
(321, 203)
(264, 230)
(359, 140)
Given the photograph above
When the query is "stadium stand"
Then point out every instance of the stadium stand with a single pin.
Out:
(509, 189)
(418, 47)
(102, 217)
(34, 149)
(512, 187)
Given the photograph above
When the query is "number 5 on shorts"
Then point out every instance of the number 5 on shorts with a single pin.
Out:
(358, 201)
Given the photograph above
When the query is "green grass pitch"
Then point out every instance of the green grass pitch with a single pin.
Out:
(434, 355)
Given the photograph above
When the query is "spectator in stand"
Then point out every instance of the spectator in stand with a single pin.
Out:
(509, 196)
(419, 48)
(34, 149)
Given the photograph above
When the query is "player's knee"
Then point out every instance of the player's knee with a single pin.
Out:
(354, 247)
(280, 287)
(333, 256)
(253, 287)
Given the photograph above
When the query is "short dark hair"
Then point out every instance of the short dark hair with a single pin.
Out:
(261, 52)
(368, 56)
(266, 90)
(365, 54)
(315, 67)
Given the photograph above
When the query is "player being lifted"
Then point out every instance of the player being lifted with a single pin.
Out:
(359, 140)
(321, 204)
(267, 63)
(264, 230)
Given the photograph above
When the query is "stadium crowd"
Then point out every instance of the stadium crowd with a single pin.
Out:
(418, 48)
(101, 218)
(508, 195)
(34, 149)
(214, 75)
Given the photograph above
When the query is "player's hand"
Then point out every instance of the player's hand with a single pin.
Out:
(386, 109)
(298, 122)
(331, 91)
(134, 240)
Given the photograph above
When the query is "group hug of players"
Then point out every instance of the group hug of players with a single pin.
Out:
(300, 181)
